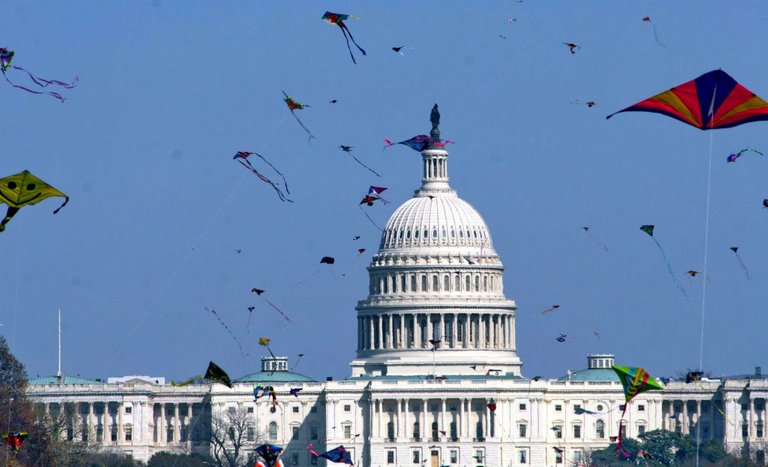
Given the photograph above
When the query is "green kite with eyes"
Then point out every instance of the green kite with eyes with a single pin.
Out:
(24, 189)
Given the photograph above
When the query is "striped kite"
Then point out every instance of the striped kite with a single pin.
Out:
(713, 100)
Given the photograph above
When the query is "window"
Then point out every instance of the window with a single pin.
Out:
(558, 408)
(759, 433)
(745, 406)
(522, 430)
(521, 407)
(250, 433)
(621, 407)
(294, 458)
(577, 457)
(479, 456)
(424, 283)
(600, 429)
(577, 431)
(641, 408)
(184, 435)
(250, 409)
(100, 433)
(640, 430)
(759, 405)
(576, 408)
(347, 408)
(479, 431)
(434, 283)
(113, 433)
(760, 457)
(413, 283)
(272, 431)
(446, 283)
(416, 430)
(522, 456)
(294, 432)
(390, 457)
(435, 432)
(744, 430)
(558, 429)
(232, 410)
(313, 432)
(454, 456)
(128, 433)
(348, 431)
(128, 409)
(599, 407)
(416, 456)
(312, 459)
(558, 456)
(467, 283)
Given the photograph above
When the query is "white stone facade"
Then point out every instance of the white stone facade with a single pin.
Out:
(457, 401)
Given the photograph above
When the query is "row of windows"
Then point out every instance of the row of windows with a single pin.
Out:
(576, 430)
(403, 283)
(399, 235)
(453, 456)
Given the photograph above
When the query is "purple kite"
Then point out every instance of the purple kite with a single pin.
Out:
(420, 142)
(5, 62)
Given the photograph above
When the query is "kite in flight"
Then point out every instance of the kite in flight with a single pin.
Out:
(635, 381)
(24, 189)
(588, 103)
(259, 292)
(419, 143)
(400, 49)
(348, 150)
(732, 157)
(242, 158)
(5, 62)
(338, 454)
(294, 105)
(264, 342)
(647, 20)
(14, 440)
(270, 453)
(713, 100)
(294, 391)
(264, 390)
(327, 260)
(586, 229)
(553, 308)
(649, 230)
(735, 251)
(228, 330)
(216, 374)
(571, 46)
(338, 20)
(374, 194)
(693, 376)
(561, 338)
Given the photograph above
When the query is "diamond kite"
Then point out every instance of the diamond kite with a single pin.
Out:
(242, 158)
(338, 20)
(24, 189)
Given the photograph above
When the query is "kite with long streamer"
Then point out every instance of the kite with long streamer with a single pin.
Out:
(295, 105)
(648, 20)
(735, 251)
(6, 56)
(649, 230)
(635, 380)
(374, 194)
(338, 454)
(259, 292)
(586, 229)
(242, 158)
(735, 155)
(348, 150)
(338, 20)
(419, 142)
(237, 341)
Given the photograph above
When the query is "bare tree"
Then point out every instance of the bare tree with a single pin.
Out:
(233, 434)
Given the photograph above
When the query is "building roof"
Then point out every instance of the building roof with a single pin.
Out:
(276, 376)
(62, 380)
(592, 374)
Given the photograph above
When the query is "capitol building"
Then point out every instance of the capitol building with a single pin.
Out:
(436, 380)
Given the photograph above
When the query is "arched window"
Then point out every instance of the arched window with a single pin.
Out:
(415, 234)
(413, 283)
(272, 430)
(446, 283)
(391, 430)
(416, 430)
(600, 429)
(435, 285)
(386, 284)
(408, 234)
(477, 283)
(434, 233)
(485, 283)
(424, 283)
(435, 433)
(457, 283)
(467, 285)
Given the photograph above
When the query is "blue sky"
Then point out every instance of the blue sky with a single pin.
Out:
(169, 91)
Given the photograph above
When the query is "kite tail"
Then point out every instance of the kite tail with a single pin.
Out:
(264, 179)
(50, 93)
(228, 330)
(285, 317)
(597, 241)
(46, 82)
(302, 125)
(285, 182)
(743, 266)
(8, 215)
(311, 451)
(620, 449)
(372, 221)
(370, 169)
(388, 144)
(669, 268)
(656, 36)
(66, 200)
(344, 28)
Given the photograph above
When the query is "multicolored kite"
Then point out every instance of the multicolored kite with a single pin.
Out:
(338, 20)
(14, 439)
(419, 142)
(338, 454)
(271, 455)
(264, 390)
(713, 100)
(242, 158)
(216, 374)
(733, 156)
(24, 189)
(5, 62)
(374, 194)
(295, 105)
(635, 381)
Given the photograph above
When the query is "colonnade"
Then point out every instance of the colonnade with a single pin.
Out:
(453, 330)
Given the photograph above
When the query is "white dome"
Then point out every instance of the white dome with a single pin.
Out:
(439, 220)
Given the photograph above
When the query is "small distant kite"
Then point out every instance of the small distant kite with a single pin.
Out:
(259, 292)
(647, 20)
(356, 237)
(338, 454)
(502, 36)
(228, 330)
(571, 46)
(348, 150)
(271, 455)
(294, 391)
(295, 105)
(242, 158)
(338, 20)
(419, 143)
(327, 260)
(400, 49)
(333, 101)
(552, 308)
(561, 338)
(692, 273)
(5, 62)
(765, 203)
(597, 335)
(648, 229)
(586, 229)
(587, 103)
(374, 194)
(24, 189)
(733, 156)
(735, 251)
(264, 342)
(216, 374)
